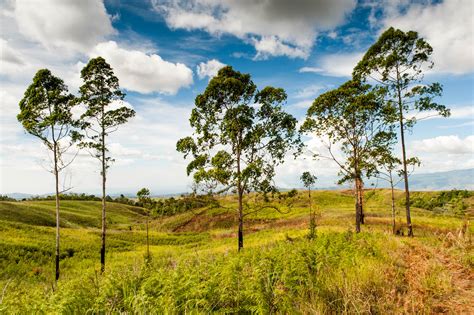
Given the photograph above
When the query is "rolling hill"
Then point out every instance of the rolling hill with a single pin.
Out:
(195, 267)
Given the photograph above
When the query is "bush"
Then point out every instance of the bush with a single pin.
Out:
(445, 201)
(171, 206)
(6, 198)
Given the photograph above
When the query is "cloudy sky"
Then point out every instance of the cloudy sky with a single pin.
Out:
(165, 51)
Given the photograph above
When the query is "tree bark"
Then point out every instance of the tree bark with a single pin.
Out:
(394, 229)
(358, 205)
(404, 158)
(56, 177)
(147, 240)
(310, 207)
(241, 222)
(241, 211)
(102, 250)
(361, 201)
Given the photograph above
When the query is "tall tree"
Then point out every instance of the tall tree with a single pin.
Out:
(45, 112)
(144, 199)
(101, 89)
(397, 61)
(353, 116)
(241, 135)
(309, 180)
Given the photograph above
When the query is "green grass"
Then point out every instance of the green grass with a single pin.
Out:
(195, 267)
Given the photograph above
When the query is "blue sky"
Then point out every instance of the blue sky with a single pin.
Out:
(164, 53)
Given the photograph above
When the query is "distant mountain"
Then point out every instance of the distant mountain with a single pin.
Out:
(457, 179)
(19, 196)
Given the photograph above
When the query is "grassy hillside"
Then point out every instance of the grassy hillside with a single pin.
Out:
(195, 267)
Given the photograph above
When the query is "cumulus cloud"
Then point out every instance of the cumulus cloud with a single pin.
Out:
(275, 27)
(335, 65)
(144, 73)
(8, 56)
(70, 24)
(443, 153)
(309, 91)
(447, 26)
(209, 68)
(268, 46)
(446, 145)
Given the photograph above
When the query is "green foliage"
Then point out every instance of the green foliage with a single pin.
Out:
(45, 110)
(308, 179)
(99, 91)
(6, 198)
(69, 196)
(354, 116)
(171, 206)
(237, 144)
(446, 201)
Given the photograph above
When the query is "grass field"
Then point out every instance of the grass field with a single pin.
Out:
(195, 267)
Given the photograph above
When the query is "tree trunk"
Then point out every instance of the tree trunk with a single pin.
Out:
(361, 201)
(240, 192)
(404, 158)
(405, 177)
(147, 240)
(394, 229)
(358, 205)
(241, 222)
(102, 250)
(312, 218)
(56, 176)
(310, 210)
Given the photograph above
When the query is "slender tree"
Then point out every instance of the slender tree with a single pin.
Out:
(353, 116)
(45, 112)
(398, 61)
(143, 196)
(241, 135)
(100, 89)
(390, 170)
(308, 181)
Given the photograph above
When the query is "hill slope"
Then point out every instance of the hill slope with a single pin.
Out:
(195, 266)
(73, 213)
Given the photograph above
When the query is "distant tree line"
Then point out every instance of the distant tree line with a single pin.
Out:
(158, 206)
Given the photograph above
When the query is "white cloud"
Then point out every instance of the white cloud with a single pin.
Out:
(209, 69)
(8, 57)
(268, 46)
(335, 65)
(462, 112)
(443, 153)
(446, 145)
(144, 73)
(70, 24)
(310, 91)
(448, 28)
(143, 149)
(303, 103)
(274, 27)
(311, 70)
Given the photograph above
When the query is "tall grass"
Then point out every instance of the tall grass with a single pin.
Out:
(199, 271)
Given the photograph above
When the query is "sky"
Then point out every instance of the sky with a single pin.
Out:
(165, 52)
